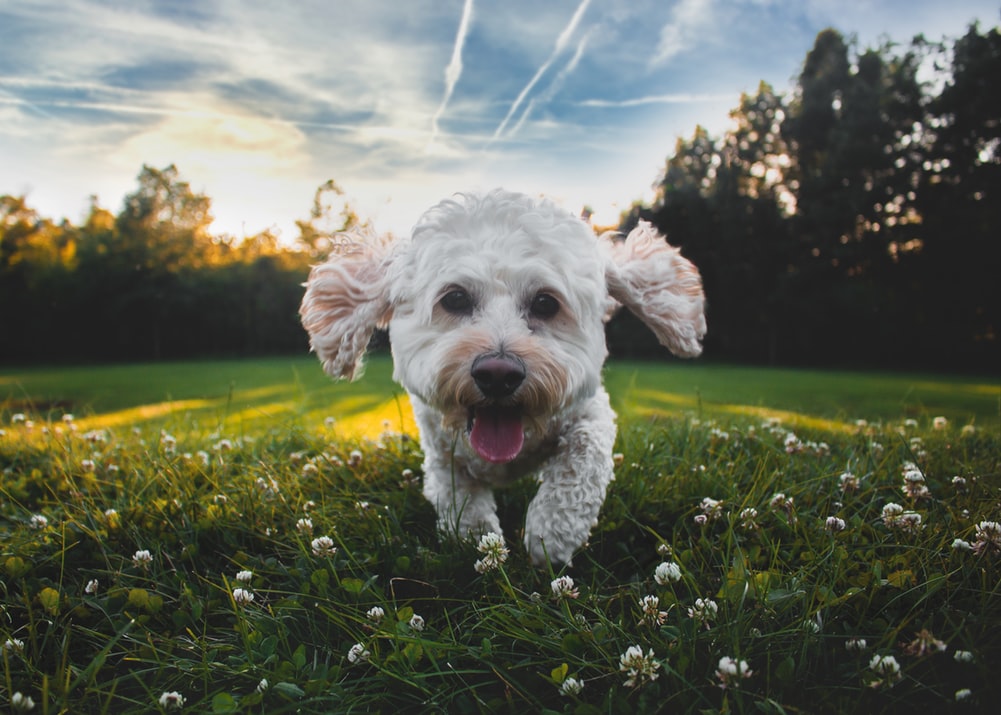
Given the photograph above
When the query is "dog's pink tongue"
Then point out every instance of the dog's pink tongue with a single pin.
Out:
(497, 434)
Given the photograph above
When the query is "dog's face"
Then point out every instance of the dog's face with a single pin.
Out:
(497, 317)
(496, 307)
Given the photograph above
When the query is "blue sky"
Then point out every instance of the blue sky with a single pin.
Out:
(402, 103)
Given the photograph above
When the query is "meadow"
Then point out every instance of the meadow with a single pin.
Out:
(249, 537)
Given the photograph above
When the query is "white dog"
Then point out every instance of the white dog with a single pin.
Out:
(496, 309)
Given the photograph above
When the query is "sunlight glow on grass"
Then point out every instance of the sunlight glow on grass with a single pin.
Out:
(143, 413)
(395, 415)
(652, 403)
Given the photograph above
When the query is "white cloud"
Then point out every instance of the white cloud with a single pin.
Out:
(688, 21)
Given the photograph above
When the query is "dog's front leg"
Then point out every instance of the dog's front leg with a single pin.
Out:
(572, 486)
(464, 507)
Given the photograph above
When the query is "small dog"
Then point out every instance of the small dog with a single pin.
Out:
(496, 308)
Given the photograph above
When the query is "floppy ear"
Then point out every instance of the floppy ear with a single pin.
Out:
(346, 299)
(652, 279)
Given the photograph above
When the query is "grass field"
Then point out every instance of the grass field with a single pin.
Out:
(254, 394)
(199, 537)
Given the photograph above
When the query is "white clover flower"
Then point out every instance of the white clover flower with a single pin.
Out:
(963, 656)
(896, 517)
(571, 686)
(638, 667)
(968, 430)
(491, 545)
(910, 522)
(703, 611)
(834, 524)
(848, 482)
(792, 443)
(245, 576)
(855, 645)
(618, 458)
(914, 483)
(712, 508)
(18, 418)
(887, 667)
(13, 644)
(38, 521)
(91, 587)
(304, 526)
(748, 517)
(329, 422)
(730, 671)
(323, 546)
(988, 538)
(939, 423)
(963, 694)
(142, 558)
(243, 597)
(355, 458)
(375, 614)
(358, 654)
(417, 623)
(562, 587)
(959, 483)
(172, 701)
(652, 615)
(961, 545)
(88, 465)
(700, 519)
(21, 702)
(262, 686)
(665, 551)
(780, 502)
(309, 469)
(667, 572)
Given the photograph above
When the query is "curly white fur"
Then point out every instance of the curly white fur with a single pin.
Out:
(495, 307)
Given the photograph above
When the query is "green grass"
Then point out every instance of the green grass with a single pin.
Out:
(249, 394)
(219, 477)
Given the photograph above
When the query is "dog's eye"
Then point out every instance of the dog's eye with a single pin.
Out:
(457, 301)
(544, 306)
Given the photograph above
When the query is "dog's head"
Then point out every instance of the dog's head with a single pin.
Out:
(496, 308)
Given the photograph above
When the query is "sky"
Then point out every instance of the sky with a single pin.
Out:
(401, 102)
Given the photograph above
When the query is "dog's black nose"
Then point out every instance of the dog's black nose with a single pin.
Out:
(498, 375)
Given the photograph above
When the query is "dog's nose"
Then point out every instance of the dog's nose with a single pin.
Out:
(498, 375)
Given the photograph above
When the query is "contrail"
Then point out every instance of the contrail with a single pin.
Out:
(454, 69)
(8, 98)
(561, 43)
(556, 84)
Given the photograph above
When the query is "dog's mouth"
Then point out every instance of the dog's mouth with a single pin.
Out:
(496, 432)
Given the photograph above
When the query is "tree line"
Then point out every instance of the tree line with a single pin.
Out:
(854, 221)
(858, 220)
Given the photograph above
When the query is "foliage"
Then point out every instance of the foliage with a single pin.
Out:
(853, 222)
(289, 570)
(149, 283)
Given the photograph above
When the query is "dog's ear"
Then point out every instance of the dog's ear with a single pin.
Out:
(346, 299)
(652, 279)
